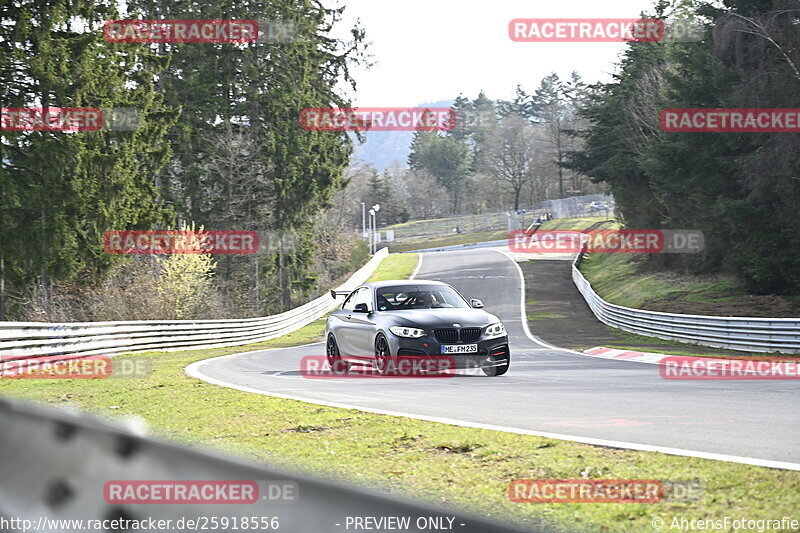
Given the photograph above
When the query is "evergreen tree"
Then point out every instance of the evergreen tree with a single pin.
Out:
(447, 159)
(61, 191)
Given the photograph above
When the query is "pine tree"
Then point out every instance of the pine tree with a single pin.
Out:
(62, 190)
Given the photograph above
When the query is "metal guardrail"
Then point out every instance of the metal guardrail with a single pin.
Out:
(22, 340)
(734, 333)
(58, 463)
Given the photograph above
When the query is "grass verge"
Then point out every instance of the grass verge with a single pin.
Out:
(460, 467)
(578, 223)
(448, 240)
(416, 229)
(624, 279)
(618, 279)
(395, 266)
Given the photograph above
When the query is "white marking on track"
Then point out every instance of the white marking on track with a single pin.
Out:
(193, 370)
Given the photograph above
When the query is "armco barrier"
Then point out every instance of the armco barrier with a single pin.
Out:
(21, 340)
(735, 333)
(62, 461)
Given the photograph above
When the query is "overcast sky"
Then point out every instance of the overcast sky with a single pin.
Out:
(430, 50)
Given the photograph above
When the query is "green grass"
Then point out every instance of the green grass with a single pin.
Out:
(543, 315)
(618, 279)
(395, 266)
(459, 467)
(578, 223)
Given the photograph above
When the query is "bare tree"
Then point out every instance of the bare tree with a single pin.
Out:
(776, 29)
(425, 197)
(510, 155)
(643, 109)
(238, 178)
(239, 196)
(345, 211)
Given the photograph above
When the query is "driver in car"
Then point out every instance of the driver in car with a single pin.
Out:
(429, 300)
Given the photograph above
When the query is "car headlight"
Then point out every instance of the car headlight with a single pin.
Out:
(496, 330)
(413, 333)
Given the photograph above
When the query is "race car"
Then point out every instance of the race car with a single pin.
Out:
(384, 323)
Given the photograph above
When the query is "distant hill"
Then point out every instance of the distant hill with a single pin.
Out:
(383, 148)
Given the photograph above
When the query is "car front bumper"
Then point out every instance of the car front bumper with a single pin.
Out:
(491, 352)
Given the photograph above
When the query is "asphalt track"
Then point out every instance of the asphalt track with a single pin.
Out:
(547, 391)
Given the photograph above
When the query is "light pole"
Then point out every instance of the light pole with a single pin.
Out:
(371, 214)
(374, 211)
(363, 220)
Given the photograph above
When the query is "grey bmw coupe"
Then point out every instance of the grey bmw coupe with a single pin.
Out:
(383, 323)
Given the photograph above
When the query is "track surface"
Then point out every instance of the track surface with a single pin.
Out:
(546, 390)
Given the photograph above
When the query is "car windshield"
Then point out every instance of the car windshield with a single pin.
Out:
(421, 297)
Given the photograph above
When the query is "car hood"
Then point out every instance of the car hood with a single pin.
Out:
(443, 318)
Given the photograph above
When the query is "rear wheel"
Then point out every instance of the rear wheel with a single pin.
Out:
(338, 366)
(383, 357)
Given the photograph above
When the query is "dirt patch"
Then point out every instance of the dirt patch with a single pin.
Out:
(458, 448)
(306, 429)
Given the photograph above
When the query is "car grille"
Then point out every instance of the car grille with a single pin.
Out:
(446, 335)
(452, 334)
(470, 334)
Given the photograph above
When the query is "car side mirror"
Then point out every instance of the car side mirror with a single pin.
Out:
(361, 308)
(477, 304)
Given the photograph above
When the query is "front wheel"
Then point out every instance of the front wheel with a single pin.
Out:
(383, 357)
(338, 366)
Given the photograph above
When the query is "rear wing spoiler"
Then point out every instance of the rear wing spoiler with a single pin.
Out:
(334, 294)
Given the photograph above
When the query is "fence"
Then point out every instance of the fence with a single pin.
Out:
(576, 206)
(21, 340)
(735, 333)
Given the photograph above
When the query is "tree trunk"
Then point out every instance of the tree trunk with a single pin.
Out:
(255, 288)
(284, 276)
(2, 289)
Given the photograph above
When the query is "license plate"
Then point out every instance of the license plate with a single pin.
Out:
(460, 348)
